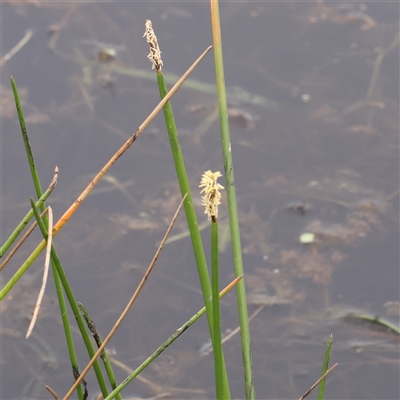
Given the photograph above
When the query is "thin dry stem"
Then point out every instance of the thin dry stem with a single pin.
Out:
(318, 381)
(45, 274)
(150, 385)
(16, 48)
(52, 392)
(237, 329)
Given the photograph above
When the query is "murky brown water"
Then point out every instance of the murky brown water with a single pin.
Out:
(314, 125)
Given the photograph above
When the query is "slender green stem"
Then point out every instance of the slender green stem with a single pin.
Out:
(32, 166)
(217, 345)
(325, 368)
(189, 208)
(232, 202)
(103, 356)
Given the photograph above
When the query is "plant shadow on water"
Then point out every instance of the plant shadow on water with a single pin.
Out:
(324, 164)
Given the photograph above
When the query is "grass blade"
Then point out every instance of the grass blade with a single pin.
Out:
(325, 367)
(217, 345)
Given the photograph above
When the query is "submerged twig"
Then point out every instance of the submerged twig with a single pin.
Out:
(378, 62)
(17, 47)
(236, 330)
(149, 384)
(52, 392)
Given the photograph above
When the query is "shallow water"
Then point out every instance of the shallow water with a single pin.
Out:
(332, 142)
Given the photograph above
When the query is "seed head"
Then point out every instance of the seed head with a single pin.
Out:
(155, 53)
(212, 195)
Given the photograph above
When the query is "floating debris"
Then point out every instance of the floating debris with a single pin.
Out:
(105, 52)
(349, 13)
(127, 223)
(298, 207)
(243, 117)
(321, 232)
(264, 299)
(307, 237)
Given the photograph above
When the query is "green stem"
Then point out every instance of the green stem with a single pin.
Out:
(189, 208)
(325, 368)
(32, 166)
(217, 345)
(232, 202)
